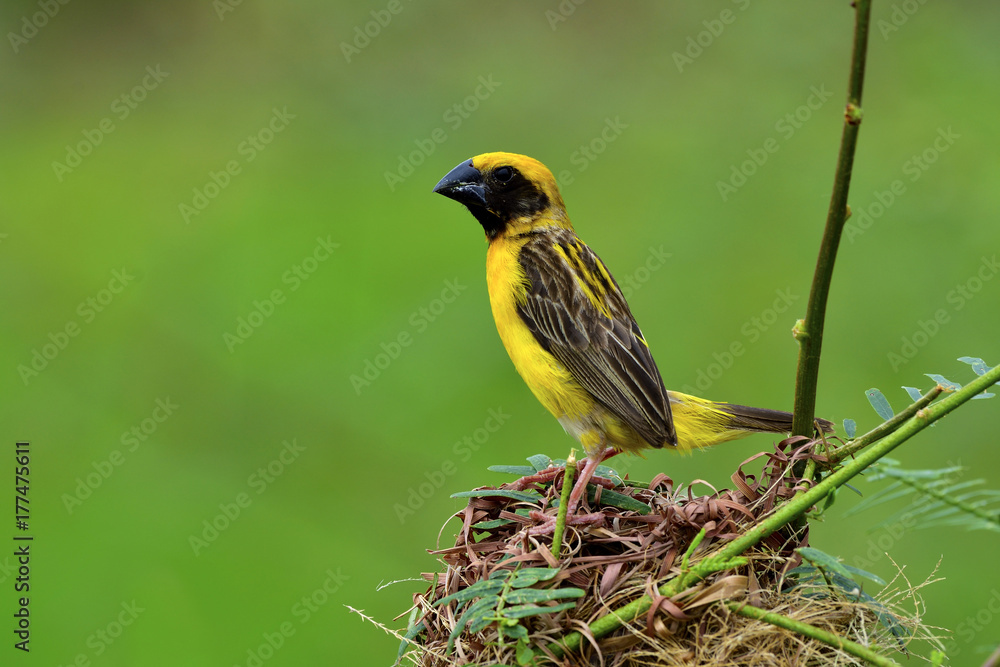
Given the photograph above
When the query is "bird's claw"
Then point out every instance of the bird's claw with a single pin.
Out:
(549, 474)
(548, 522)
(540, 477)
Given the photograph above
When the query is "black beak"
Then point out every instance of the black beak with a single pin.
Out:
(464, 184)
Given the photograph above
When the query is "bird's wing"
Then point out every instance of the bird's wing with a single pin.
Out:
(576, 311)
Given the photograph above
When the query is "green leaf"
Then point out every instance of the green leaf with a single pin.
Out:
(524, 595)
(808, 570)
(830, 499)
(823, 560)
(877, 498)
(979, 367)
(867, 575)
(524, 610)
(525, 655)
(412, 630)
(496, 523)
(849, 586)
(922, 473)
(850, 427)
(478, 589)
(491, 524)
(520, 471)
(540, 462)
(914, 393)
(526, 496)
(619, 500)
(514, 630)
(880, 403)
(600, 471)
(476, 612)
(529, 576)
(944, 382)
(482, 618)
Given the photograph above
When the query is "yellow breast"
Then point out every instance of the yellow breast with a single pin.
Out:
(548, 379)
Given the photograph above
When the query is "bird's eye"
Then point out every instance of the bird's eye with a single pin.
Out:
(504, 174)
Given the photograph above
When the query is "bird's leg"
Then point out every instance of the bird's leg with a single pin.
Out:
(608, 453)
(549, 474)
(586, 472)
(584, 476)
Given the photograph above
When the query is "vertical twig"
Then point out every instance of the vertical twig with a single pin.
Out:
(810, 333)
(568, 475)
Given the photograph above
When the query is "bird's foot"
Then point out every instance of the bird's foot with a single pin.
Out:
(547, 523)
(585, 475)
(541, 477)
(549, 474)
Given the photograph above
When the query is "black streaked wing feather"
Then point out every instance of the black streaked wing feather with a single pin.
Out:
(604, 354)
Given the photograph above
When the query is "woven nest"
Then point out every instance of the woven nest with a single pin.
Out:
(629, 557)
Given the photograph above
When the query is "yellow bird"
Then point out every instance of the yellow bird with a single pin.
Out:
(569, 331)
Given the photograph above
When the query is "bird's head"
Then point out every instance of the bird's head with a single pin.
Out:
(506, 193)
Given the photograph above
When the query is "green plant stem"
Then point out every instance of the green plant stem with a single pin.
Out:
(810, 334)
(810, 472)
(885, 428)
(813, 632)
(568, 475)
(787, 512)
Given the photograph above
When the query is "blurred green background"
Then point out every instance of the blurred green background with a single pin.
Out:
(230, 207)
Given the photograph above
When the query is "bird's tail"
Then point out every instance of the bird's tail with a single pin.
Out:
(762, 419)
(702, 423)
